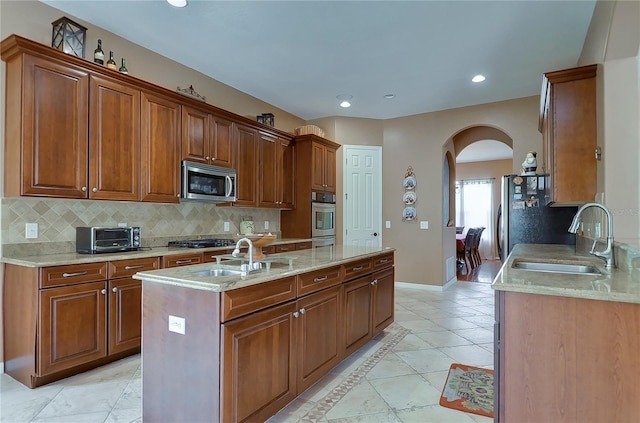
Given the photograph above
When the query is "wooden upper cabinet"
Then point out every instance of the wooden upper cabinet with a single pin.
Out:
(51, 160)
(568, 126)
(275, 184)
(114, 140)
(160, 149)
(206, 138)
(323, 160)
(246, 166)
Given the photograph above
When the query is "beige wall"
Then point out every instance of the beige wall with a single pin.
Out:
(490, 169)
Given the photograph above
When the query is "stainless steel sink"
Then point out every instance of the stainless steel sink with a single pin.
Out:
(217, 272)
(572, 268)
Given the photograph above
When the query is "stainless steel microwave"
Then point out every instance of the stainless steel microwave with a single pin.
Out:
(201, 182)
(94, 240)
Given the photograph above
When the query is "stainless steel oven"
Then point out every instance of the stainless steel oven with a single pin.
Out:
(323, 214)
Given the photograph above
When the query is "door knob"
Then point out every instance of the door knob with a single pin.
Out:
(375, 234)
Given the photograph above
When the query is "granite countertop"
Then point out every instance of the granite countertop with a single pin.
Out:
(620, 285)
(301, 261)
(75, 258)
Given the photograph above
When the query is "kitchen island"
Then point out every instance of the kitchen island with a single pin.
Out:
(566, 344)
(240, 348)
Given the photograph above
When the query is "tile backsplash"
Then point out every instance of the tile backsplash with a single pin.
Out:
(58, 218)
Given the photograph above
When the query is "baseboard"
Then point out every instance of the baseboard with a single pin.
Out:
(422, 287)
(1, 367)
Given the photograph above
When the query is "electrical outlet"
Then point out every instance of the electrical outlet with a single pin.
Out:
(266, 224)
(226, 226)
(424, 224)
(177, 324)
(387, 224)
(122, 225)
(597, 230)
(31, 230)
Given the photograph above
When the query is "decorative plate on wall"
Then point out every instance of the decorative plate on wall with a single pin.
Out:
(409, 197)
(409, 182)
(409, 213)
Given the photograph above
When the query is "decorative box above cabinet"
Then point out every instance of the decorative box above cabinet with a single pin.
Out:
(569, 132)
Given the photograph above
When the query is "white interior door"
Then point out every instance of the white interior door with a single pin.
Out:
(362, 210)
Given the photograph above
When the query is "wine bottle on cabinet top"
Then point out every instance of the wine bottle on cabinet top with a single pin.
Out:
(111, 63)
(123, 68)
(98, 54)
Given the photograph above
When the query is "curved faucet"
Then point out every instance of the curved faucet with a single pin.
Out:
(607, 254)
(236, 253)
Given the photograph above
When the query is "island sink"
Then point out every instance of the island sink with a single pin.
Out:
(572, 268)
(218, 272)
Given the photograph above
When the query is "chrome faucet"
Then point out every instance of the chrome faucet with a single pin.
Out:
(236, 253)
(607, 254)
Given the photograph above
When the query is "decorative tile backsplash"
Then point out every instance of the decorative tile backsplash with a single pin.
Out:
(58, 218)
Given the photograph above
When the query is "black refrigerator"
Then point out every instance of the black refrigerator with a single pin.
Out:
(525, 218)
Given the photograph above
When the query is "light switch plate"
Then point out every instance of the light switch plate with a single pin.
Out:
(226, 226)
(424, 224)
(177, 324)
(31, 230)
(387, 224)
(266, 224)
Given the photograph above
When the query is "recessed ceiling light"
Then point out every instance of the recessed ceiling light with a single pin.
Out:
(389, 96)
(345, 100)
(177, 3)
(478, 78)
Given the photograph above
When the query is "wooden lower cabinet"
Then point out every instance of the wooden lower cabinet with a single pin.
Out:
(383, 300)
(72, 326)
(357, 313)
(125, 314)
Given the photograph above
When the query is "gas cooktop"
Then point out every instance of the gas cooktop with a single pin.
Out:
(203, 243)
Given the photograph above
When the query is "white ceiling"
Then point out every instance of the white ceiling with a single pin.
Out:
(299, 55)
(485, 150)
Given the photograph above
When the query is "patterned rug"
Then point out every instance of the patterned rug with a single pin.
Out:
(469, 389)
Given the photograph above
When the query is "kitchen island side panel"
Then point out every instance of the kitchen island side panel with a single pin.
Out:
(180, 372)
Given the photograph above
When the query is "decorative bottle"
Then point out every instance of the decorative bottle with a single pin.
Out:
(98, 54)
(123, 68)
(111, 63)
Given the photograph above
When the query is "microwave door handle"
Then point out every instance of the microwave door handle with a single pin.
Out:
(229, 186)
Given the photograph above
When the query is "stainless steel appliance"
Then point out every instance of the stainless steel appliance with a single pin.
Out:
(202, 243)
(323, 218)
(201, 182)
(95, 240)
(524, 217)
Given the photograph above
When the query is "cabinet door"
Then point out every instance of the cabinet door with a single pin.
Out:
(383, 300)
(268, 150)
(221, 147)
(181, 260)
(258, 364)
(287, 183)
(54, 129)
(160, 149)
(319, 336)
(72, 326)
(330, 169)
(317, 167)
(125, 314)
(246, 166)
(357, 313)
(196, 135)
(114, 140)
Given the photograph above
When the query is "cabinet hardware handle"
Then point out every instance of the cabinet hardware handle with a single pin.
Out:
(374, 282)
(114, 289)
(207, 158)
(384, 261)
(183, 261)
(302, 310)
(296, 314)
(213, 159)
(70, 275)
(104, 291)
(355, 269)
(324, 278)
(84, 189)
(141, 266)
(94, 189)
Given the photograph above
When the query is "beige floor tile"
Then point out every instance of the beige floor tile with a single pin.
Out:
(434, 414)
(402, 392)
(391, 365)
(362, 399)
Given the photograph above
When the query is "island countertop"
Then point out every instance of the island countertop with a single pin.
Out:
(290, 264)
(620, 285)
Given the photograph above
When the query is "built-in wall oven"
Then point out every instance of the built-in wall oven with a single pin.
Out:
(323, 218)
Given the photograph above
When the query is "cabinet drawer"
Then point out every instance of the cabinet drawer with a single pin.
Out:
(181, 260)
(383, 261)
(242, 301)
(357, 268)
(320, 279)
(285, 248)
(72, 274)
(124, 268)
(303, 245)
(210, 256)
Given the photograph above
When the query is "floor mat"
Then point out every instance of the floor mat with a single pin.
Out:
(469, 389)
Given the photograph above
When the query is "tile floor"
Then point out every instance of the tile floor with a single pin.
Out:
(397, 377)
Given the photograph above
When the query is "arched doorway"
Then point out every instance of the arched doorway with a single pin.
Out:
(476, 191)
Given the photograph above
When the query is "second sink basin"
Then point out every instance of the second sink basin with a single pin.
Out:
(572, 268)
(217, 272)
